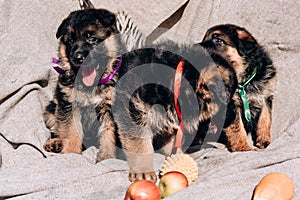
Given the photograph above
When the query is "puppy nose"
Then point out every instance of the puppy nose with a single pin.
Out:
(79, 57)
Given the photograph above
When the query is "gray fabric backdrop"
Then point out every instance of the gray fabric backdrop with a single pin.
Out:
(27, 32)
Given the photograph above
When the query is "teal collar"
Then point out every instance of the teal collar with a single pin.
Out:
(244, 96)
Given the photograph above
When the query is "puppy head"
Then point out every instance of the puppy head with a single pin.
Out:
(80, 33)
(78, 20)
(231, 42)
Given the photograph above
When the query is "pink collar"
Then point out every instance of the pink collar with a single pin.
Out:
(101, 82)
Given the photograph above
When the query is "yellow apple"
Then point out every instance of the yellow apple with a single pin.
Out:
(172, 182)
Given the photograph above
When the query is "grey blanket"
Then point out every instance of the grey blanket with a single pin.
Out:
(27, 32)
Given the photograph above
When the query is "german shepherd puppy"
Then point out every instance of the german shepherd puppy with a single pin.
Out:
(79, 34)
(256, 77)
(134, 101)
(144, 108)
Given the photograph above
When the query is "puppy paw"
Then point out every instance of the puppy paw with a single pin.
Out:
(150, 176)
(53, 145)
(243, 148)
(262, 143)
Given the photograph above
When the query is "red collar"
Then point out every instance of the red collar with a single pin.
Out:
(177, 85)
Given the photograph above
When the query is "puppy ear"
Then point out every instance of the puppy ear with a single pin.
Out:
(62, 29)
(107, 18)
(246, 42)
(109, 21)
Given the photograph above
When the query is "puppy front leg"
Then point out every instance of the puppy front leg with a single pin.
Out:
(53, 144)
(263, 136)
(107, 135)
(139, 155)
(237, 135)
(50, 117)
(69, 133)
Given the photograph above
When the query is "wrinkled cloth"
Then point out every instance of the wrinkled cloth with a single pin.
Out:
(27, 32)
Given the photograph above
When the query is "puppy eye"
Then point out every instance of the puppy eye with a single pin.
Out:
(92, 40)
(216, 39)
(71, 39)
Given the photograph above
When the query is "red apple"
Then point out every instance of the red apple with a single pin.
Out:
(172, 182)
(142, 190)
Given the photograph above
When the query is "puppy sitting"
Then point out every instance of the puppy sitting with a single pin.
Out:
(80, 33)
(251, 106)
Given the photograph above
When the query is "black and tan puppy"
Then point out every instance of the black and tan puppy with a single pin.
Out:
(80, 33)
(135, 105)
(256, 77)
(145, 111)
